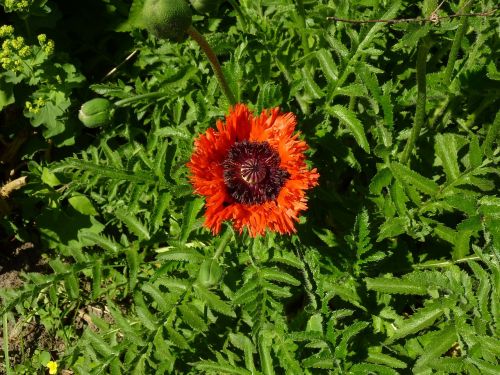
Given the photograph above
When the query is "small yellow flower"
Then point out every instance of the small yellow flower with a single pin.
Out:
(49, 47)
(42, 38)
(52, 366)
(25, 51)
(39, 102)
(6, 30)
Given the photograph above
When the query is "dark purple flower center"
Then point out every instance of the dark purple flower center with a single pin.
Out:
(252, 172)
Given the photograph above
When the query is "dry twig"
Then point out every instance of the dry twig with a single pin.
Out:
(10, 186)
(434, 18)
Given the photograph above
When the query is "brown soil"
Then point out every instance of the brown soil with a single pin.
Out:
(24, 336)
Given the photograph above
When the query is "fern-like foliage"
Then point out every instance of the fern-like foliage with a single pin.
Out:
(455, 327)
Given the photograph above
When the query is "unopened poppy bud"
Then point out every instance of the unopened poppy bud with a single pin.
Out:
(167, 19)
(210, 273)
(96, 112)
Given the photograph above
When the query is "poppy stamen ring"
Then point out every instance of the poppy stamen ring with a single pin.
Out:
(252, 172)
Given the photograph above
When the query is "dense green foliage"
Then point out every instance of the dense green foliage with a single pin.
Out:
(394, 267)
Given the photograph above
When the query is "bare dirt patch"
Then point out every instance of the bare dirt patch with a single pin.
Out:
(24, 336)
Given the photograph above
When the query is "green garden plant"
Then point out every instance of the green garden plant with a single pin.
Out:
(105, 231)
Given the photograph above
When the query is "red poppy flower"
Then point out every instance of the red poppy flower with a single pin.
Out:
(252, 172)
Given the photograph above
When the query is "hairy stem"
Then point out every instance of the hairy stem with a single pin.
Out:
(214, 61)
(484, 104)
(455, 47)
(237, 9)
(6, 344)
(136, 98)
(302, 21)
(226, 237)
(423, 49)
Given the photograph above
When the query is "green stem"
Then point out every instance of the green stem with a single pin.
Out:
(423, 49)
(226, 237)
(149, 95)
(455, 47)
(304, 107)
(302, 24)
(447, 263)
(27, 26)
(214, 61)
(485, 103)
(240, 14)
(6, 344)
(352, 103)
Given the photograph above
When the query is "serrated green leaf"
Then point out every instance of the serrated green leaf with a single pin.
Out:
(133, 266)
(310, 86)
(386, 360)
(192, 318)
(278, 291)
(446, 150)
(323, 360)
(423, 318)
(442, 341)
(132, 223)
(191, 210)
(266, 361)
(82, 204)
(135, 18)
(382, 179)
(445, 233)
(177, 339)
(370, 368)
(462, 202)
(447, 365)
(395, 286)
(327, 64)
(143, 313)
(101, 241)
(157, 295)
(124, 323)
(399, 198)
(213, 300)
(346, 336)
(244, 343)
(49, 178)
(72, 286)
(491, 136)
(353, 90)
(274, 274)
(100, 346)
(354, 125)
(461, 244)
(370, 80)
(392, 227)
(405, 175)
(485, 367)
(115, 367)
(475, 153)
(247, 292)
(269, 96)
(220, 368)
(96, 278)
(180, 254)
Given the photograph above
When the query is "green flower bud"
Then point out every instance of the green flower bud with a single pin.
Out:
(96, 112)
(205, 6)
(210, 273)
(167, 19)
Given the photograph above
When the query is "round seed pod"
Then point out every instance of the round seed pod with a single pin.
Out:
(167, 19)
(210, 273)
(96, 112)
